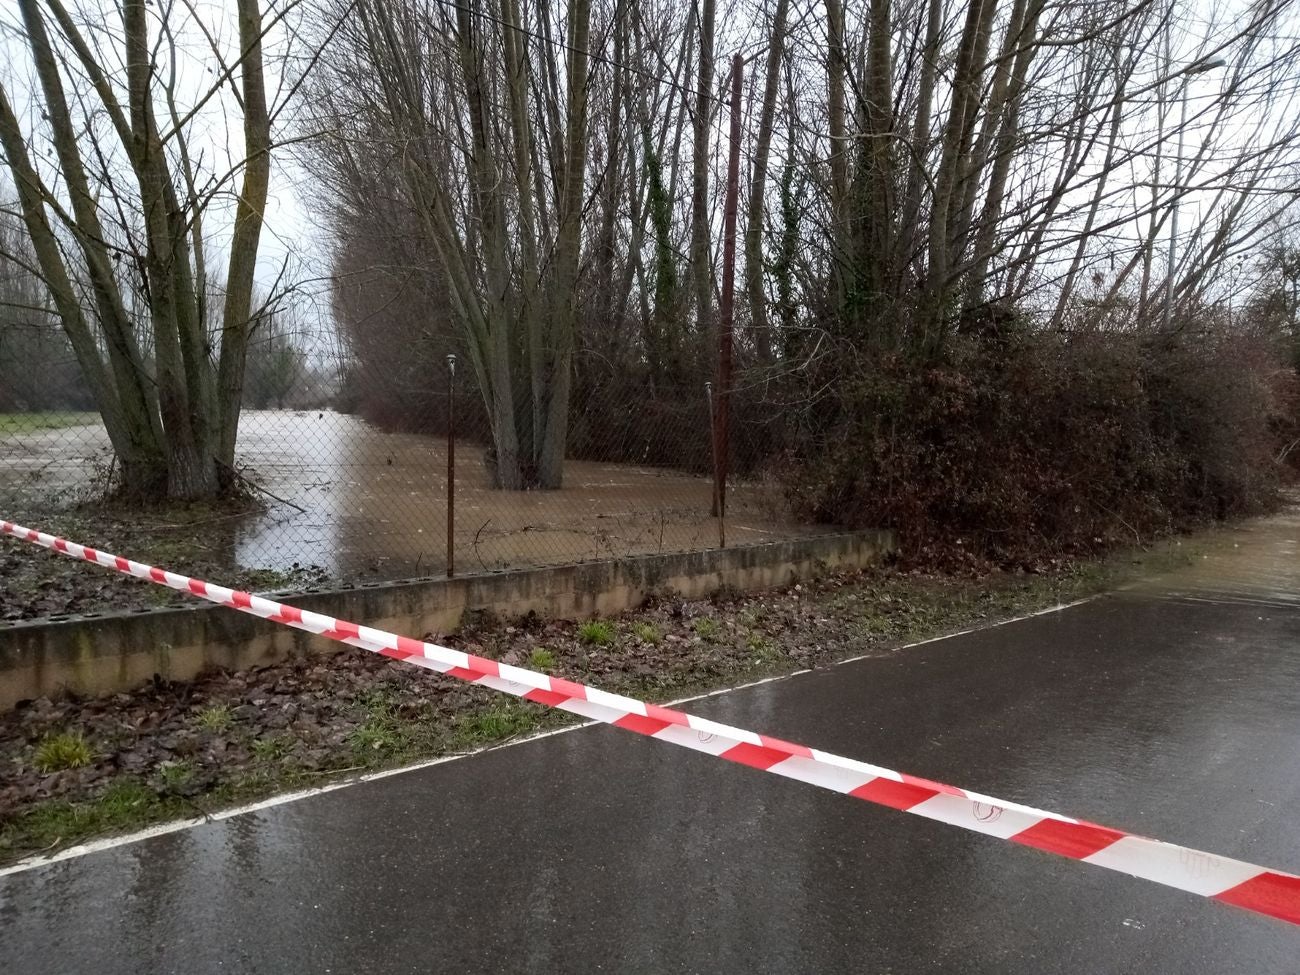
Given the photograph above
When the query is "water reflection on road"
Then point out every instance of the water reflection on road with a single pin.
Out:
(1254, 563)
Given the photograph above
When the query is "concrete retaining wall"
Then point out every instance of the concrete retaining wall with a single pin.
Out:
(98, 653)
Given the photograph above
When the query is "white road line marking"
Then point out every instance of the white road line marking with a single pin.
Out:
(174, 826)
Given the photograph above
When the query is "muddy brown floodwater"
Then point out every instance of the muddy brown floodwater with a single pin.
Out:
(373, 503)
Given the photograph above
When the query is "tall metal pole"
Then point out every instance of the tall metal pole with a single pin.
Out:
(1200, 67)
(451, 464)
(713, 445)
(1172, 272)
(726, 307)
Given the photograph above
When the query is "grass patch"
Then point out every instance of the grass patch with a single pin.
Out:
(541, 659)
(63, 751)
(271, 748)
(646, 632)
(707, 628)
(598, 633)
(175, 776)
(129, 803)
(124, 798)
(54, 420)
(125, 804)
(502, 721)
(378, 734)
(215, 718)
(764, 650)
(385, 735)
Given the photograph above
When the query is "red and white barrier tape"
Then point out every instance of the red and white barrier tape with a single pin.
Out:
(1244, 885)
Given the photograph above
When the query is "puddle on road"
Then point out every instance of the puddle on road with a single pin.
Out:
(1256, 562)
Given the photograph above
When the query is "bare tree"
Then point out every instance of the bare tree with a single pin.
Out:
(943, 162)
(171, 415)
(476, 99)
(278, 362)
(758, 184)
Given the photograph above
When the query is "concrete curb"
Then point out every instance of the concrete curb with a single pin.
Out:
(100, 653)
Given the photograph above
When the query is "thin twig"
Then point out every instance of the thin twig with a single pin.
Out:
(253, 485)
(477, 555)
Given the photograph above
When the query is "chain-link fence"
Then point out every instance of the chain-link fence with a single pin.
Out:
(352, 475)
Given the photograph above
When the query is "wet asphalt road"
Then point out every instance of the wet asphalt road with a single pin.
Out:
(1171, 710)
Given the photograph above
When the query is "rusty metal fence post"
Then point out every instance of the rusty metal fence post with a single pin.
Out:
(713, 448)
(451, 464)
(727, 306)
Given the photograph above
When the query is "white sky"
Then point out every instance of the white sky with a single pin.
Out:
(215, 135)
(292, 233)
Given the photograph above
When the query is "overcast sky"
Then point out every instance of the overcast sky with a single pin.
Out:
(215, 135)
(291, 233)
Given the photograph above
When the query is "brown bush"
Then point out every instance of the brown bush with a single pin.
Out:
(1022, 446)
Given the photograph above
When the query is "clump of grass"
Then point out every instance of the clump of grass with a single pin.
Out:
(377, 735)
(67, 749)
(707, 628)
(499, 722)
(125, 804)
(646, 632)
(47, 823)
(382, 730)
(600, 633)
(763, 649)
(175, 775)
(271, 748)
(215, 718)
(124, 798)
(541, 659)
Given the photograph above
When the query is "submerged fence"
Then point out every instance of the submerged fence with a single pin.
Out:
(357, 480)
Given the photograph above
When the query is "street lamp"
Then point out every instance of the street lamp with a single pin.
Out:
(1195, 68)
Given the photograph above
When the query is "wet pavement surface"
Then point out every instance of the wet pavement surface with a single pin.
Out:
(1169, 709)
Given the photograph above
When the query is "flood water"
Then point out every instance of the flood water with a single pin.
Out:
(361, 503)
(1256, 563)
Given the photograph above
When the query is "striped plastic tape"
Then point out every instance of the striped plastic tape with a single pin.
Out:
(1244, 885)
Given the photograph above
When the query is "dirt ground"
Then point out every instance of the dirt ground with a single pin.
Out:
(359, 503)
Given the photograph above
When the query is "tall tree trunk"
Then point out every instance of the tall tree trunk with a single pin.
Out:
(563, 328)
(909, 218)
(758, 318)
(662, 341)
(236, 316)
(605, 298)
(962, 115)
(144, 467)
(1004, 118)
(183, 388)
(128, 404)
(531, 310)
(488, 209)
(836, 65)
(701, 258)
(874, 216)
